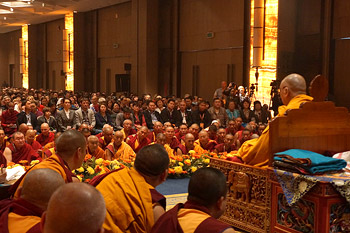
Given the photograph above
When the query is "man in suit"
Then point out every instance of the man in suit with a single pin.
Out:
(27, 117)
(151, 116)
(66, 117)
(186, 116)
(170, 114)
(85, 115)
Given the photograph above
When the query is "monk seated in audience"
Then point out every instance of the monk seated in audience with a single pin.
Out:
(106, 138)
(20, 150)
(118, 149)
(133, 204)
(194, 130)
(206, 202)
(45, 136)
(183, 130)
(221, 133)
(242, 136)
(139, 140)
(292, 92)
(227, 146)
(127, 129)
(231, 128)
(30, 140)
(9, 119)
(239, 125)
(24, 214)
(171, 140)
(93, 148)
(49, 148)
(75, 207)
(157, 128)
(212, 132)
(204, 142)
(188, 145)
(3, 141)
(23, 128)
(69, 156)
(161, 140)
(86, 133)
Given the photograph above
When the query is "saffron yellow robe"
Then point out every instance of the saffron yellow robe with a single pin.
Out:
(256, 151)
(20, 224)
(128, 201)
(99, 153)
(123, 152)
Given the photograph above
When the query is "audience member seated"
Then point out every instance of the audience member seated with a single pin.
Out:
(232, 110)
(24, 214)
(69, 156)
(118, 149)
(261, 116)
(157, 128)
(204, 142)
(122, 117)
(206, 202)
(26, 116)
(133, 204)
(183, 130)
(186, 116)
(239, 125)
(85, 115)
(171, 140)
(34, 107)
(30, 140)
(3, 141)
(93, 149)
(247, 115)
(228, 145)
(75, 207)
(45, 136)
(49, 149)
(194, 130)
(293, 89)
(170, 114)
(20, 150)
(188, 145)
(151, 116)
(47, 118)
(9, 120)
(212, 132)
(127, 129)
(106, 136)
(102, 118)
(217, 112)
(161, 139)
(139, 119)
(139, 140)
(201, 116)
(221, 133)
(66, 117)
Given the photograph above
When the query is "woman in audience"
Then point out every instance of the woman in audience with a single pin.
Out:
(232, 111)
(247, 115)
(114, 112)
(47, 118)
(260, 113)
(160, 105)
(139, 119)
(102, 118)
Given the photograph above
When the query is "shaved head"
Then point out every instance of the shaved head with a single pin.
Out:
(39, 185)
(291, 86)
(23, 128)
(92, 138)
(75, 207)
(161, 139)
(64, 143)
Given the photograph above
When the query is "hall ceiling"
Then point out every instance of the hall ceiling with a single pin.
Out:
(15, 13)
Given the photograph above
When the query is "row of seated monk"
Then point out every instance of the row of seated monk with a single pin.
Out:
(124, 200)
(129, 201)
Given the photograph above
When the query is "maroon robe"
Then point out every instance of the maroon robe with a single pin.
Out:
(36, 146)
(231, 132)
(169, 223)
(7, 118)
(132, 142)
(25, 153)
(210, 145)
(20, 207)
(45, 140)
(221, 148)
(102, 143)
(183, 149)
(174, 143)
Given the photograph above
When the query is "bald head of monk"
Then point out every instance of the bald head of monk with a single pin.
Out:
(83, 126)
(161, 139)
(30, 136)
(39, 185)
(92, 143)
(71, 146)
(291, 86)
(75, 207)
(142, 133)
(107, 132)
(203, 137)
(152, 163)
(207, 187)
(45, 129)
(23, 128)
(189, 141)
(118, 138)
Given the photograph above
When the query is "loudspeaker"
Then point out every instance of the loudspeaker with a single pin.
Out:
(127, 66)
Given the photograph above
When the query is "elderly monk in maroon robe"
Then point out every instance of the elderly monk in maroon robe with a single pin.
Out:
(139, 140)
(171, 140)
(8, 120)
(189, 145)
(46, 136)
(206, 202)
(204, 141)
(106, 137)
(20, 150)
(24, 214)
(30, 140)
(228, 145)
(157, 128)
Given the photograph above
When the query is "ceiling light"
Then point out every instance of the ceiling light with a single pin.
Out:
(2, 12)
(5, 18)
(16, 4)
(11, 9)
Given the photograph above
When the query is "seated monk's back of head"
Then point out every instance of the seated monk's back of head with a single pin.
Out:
(75, 207)
(152, 160)
(69, 141)
(207, 186)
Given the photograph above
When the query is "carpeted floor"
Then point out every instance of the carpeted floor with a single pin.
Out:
(175, 191)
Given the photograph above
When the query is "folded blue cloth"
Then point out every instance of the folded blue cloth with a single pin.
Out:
(311, 161)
